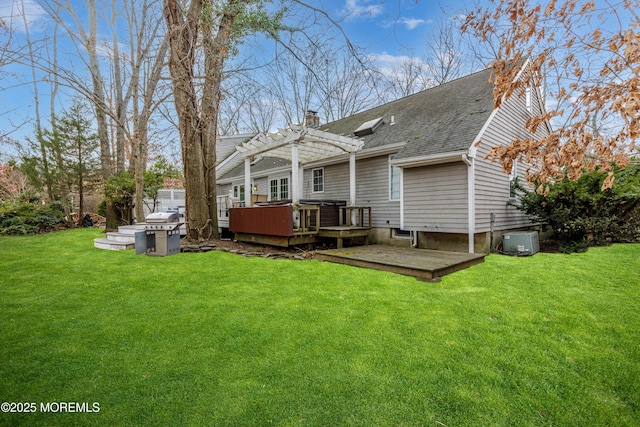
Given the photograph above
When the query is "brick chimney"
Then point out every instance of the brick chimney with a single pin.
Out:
(311, 119)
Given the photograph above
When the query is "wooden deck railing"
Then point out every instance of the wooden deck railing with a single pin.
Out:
(224, 203)
(303, 216)
(355, 216)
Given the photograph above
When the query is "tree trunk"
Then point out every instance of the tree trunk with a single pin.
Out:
(141, 123)
(63, 182)
(215, 48)
(121, 101)
(198, 123)
(183, 38)
(48, 181)
(80, 185)
(98, 100)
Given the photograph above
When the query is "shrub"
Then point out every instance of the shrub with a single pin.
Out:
(580, 214)
(101, 209)
(30, 217)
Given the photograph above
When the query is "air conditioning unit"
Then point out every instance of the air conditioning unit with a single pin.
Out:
(521, 243)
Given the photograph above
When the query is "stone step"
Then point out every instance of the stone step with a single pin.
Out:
(130, 229)
(112, 245)
(121, 237)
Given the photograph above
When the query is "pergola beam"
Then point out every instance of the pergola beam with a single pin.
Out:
(300, 145)
(314, 144)
(262, 143)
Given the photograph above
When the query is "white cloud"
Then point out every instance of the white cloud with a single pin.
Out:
(390, 64)
(412, 23)
(14, 13)
(359, 8)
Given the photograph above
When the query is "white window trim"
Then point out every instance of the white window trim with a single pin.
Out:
(238, 186)
(398, 233)
(277, 184)
(313, 184)
(288, 196)
(279, 178)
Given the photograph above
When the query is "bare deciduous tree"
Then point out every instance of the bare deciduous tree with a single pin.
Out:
(318, 75)
(445, 52)
(8, 55)
(147, 58)
(32, 60)
(132, 77)
(400, 76)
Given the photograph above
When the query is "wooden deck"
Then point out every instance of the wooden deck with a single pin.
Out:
(275, 225)
(338, 232)
(341, 232)
(423, 264)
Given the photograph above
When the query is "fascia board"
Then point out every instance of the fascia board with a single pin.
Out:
(363, 154)
(434, 159)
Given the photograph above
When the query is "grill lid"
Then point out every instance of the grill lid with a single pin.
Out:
(162, 217)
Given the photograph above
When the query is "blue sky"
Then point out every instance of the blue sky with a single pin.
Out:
(393, 27)
(386, 30)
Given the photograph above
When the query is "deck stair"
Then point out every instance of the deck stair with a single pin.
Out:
(123, 239)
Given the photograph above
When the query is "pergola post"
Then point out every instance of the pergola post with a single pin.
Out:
(352, 178)
(295, 173)
(301, 180)
(247, 181)
(301, 146)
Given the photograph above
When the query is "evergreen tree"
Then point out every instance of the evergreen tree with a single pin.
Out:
(71, 155)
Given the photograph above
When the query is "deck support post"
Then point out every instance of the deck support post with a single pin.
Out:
(247, 181)
(352, 179)
(295, 174)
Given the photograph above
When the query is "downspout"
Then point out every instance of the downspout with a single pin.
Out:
(401, 198)
(471, 200)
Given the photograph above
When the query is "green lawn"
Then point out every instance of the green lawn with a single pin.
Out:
(222, 340)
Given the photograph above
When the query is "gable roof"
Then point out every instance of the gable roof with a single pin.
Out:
(227, 157)
(441, 119)
(226, 144)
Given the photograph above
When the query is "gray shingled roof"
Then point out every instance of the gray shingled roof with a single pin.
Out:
(226, 145)
(442, 119)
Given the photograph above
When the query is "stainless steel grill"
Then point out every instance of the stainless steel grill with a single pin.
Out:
(161, 235)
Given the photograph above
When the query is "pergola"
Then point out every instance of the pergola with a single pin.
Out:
(300, 145)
